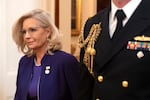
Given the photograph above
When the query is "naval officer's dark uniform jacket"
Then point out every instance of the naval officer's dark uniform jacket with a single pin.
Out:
(121, 64)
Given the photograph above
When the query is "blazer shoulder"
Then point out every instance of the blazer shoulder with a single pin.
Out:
(25, 57)
(64, 56)
(64, 60)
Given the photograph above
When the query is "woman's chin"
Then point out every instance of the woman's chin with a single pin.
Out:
(31, 47)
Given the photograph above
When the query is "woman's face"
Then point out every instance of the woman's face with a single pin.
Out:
(34, 35)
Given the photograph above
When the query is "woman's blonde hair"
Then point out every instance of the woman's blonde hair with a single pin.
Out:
(46, 21)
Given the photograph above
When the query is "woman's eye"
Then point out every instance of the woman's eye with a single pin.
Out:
(23, 32)
(32, 30)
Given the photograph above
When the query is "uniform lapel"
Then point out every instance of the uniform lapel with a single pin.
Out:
(103, 44)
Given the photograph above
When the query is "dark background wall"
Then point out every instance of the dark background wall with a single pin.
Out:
(101, 4)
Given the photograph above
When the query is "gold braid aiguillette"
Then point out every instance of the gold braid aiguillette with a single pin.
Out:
(88, 45)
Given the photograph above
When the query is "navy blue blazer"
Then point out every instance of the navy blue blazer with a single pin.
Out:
(60, 84)
(121, 72)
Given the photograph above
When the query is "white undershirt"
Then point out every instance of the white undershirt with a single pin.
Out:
(128, 9)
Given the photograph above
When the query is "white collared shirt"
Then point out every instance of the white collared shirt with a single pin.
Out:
(128, 9)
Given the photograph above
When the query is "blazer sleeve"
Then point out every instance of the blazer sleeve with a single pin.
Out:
(72, 75)
(18, 79)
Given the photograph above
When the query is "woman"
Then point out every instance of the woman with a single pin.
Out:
(45, 72)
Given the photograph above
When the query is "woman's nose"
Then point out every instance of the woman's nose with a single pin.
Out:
(27, 34)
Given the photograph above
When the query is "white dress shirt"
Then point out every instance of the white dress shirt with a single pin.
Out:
(128, 9)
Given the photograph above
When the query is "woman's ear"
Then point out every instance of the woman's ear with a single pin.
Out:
(49, 31)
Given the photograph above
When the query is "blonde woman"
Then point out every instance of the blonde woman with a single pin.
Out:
(45, 72)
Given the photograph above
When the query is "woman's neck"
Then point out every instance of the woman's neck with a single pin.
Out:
(38, 57)
(39, 53)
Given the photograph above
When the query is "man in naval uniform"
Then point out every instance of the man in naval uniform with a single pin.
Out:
(115, 62)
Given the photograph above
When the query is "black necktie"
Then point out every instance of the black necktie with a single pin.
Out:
(120, 15)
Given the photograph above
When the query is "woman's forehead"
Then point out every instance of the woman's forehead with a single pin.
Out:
(31, 22)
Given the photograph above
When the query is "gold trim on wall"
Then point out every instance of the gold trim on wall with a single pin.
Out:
(75, 17)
